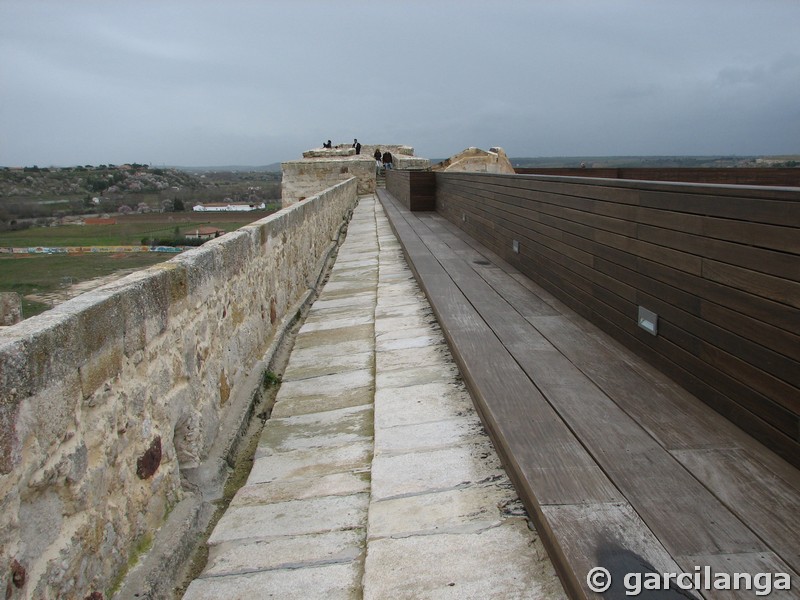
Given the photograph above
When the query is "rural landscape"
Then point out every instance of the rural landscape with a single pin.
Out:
(107, 206)
(142, 207)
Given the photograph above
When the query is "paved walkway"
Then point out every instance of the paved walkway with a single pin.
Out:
(374, 476)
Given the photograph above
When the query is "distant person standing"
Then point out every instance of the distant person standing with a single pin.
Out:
(387, 160)
(357, 146)
(377, 154)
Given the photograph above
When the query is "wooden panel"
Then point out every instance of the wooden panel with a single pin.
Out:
(719, 263)
(624, 418)
(777, 176)
(675, 506)
(414, 189)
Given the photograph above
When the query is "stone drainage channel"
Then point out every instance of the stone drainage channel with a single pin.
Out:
(374, 477)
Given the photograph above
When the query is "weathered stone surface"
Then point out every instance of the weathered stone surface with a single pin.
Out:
(462, 510)
(335, 484)
(287, 552)
(302, 179)
(434, 470)
(307, 464)
(422, 403)
(290, 518)
(475, 160)
(332, 582)
(425, 510)
(162, 354)
(316, 430)
(10, 308)
(500, 562)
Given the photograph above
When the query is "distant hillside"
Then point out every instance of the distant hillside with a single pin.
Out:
(657, 161)
(49, 193)
(273, 168)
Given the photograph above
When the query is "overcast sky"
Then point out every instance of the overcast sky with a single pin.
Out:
(252, 83)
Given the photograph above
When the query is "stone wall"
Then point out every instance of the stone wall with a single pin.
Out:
(110, 399)
(475, 160)
(303, 178)
(321, 168)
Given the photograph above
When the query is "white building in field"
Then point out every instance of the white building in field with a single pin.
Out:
(229, 207)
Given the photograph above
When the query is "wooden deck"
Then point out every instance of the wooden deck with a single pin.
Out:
(619, 467)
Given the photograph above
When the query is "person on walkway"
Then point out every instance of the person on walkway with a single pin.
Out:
(357, 146)
(387, 160)
(377, 154)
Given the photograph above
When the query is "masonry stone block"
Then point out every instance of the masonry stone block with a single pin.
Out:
(104, 399)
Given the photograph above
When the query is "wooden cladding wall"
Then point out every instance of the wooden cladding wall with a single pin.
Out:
(719, 265)
(414, 189)
(772, 176)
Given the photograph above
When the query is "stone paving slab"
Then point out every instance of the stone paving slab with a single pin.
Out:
(293, 517)
(327, 360)
(361, 333)
(435, 401)
(334, 484)
(329, 386)
(317, 430)
(306, 464)
(461, 510)
(288, 406)
(289, 552)
(414, 376)
(331, 582)
(374, 476)
(392, 360)
(497, 563)
(433, 435)
(414, 338)
(434, 470)
(315, 324)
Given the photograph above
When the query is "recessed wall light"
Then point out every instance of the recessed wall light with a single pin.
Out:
(648, 320)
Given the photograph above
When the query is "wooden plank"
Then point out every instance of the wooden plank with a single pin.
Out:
(667, 494)
(541, 449)
(769, 504)
(770, 312)
(770, 262)
(675, 506)
(611, 536)
(750, 563)
(756, 209)
(784, 289)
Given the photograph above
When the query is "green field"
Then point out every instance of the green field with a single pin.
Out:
(121, 234)
(43, 274)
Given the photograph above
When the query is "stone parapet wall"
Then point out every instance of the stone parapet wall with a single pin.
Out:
(304, 178)
(108, 400)
(411, 163)
(395, 149)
